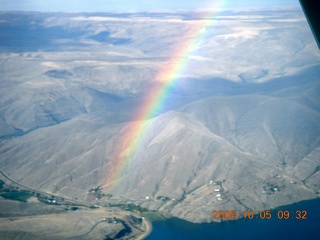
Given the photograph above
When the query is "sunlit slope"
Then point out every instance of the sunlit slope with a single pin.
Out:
(263, 149)
(68, 157)
(260, 150)
(279, 130)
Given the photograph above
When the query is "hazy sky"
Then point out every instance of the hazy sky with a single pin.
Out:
(127, 5)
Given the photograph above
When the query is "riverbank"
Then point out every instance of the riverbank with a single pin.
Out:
(147, 225)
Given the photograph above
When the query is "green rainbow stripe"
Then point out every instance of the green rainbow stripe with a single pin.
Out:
(156, 99)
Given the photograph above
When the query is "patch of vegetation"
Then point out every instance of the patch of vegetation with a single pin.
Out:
(16, 195)
(130, 207)
(93, 207)
(74, 208)
(107, 195)
(101, 195)
(98, 195)
(13, 193)
(96, 189)
(163, 198)
(2, 184)
(97, 192)
(152, 215)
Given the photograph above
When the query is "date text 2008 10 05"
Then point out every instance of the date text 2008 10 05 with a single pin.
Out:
(264, 214)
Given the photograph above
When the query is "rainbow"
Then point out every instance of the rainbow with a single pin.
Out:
(156, 98)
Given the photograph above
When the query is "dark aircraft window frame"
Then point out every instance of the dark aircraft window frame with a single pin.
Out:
(311, 9)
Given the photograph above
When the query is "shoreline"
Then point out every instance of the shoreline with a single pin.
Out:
(240, 217)
(274, 228)
(148, 230)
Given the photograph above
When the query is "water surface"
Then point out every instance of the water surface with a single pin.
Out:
(291, 229)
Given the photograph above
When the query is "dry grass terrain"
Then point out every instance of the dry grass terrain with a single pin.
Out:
(35, 220)
(240, 127)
